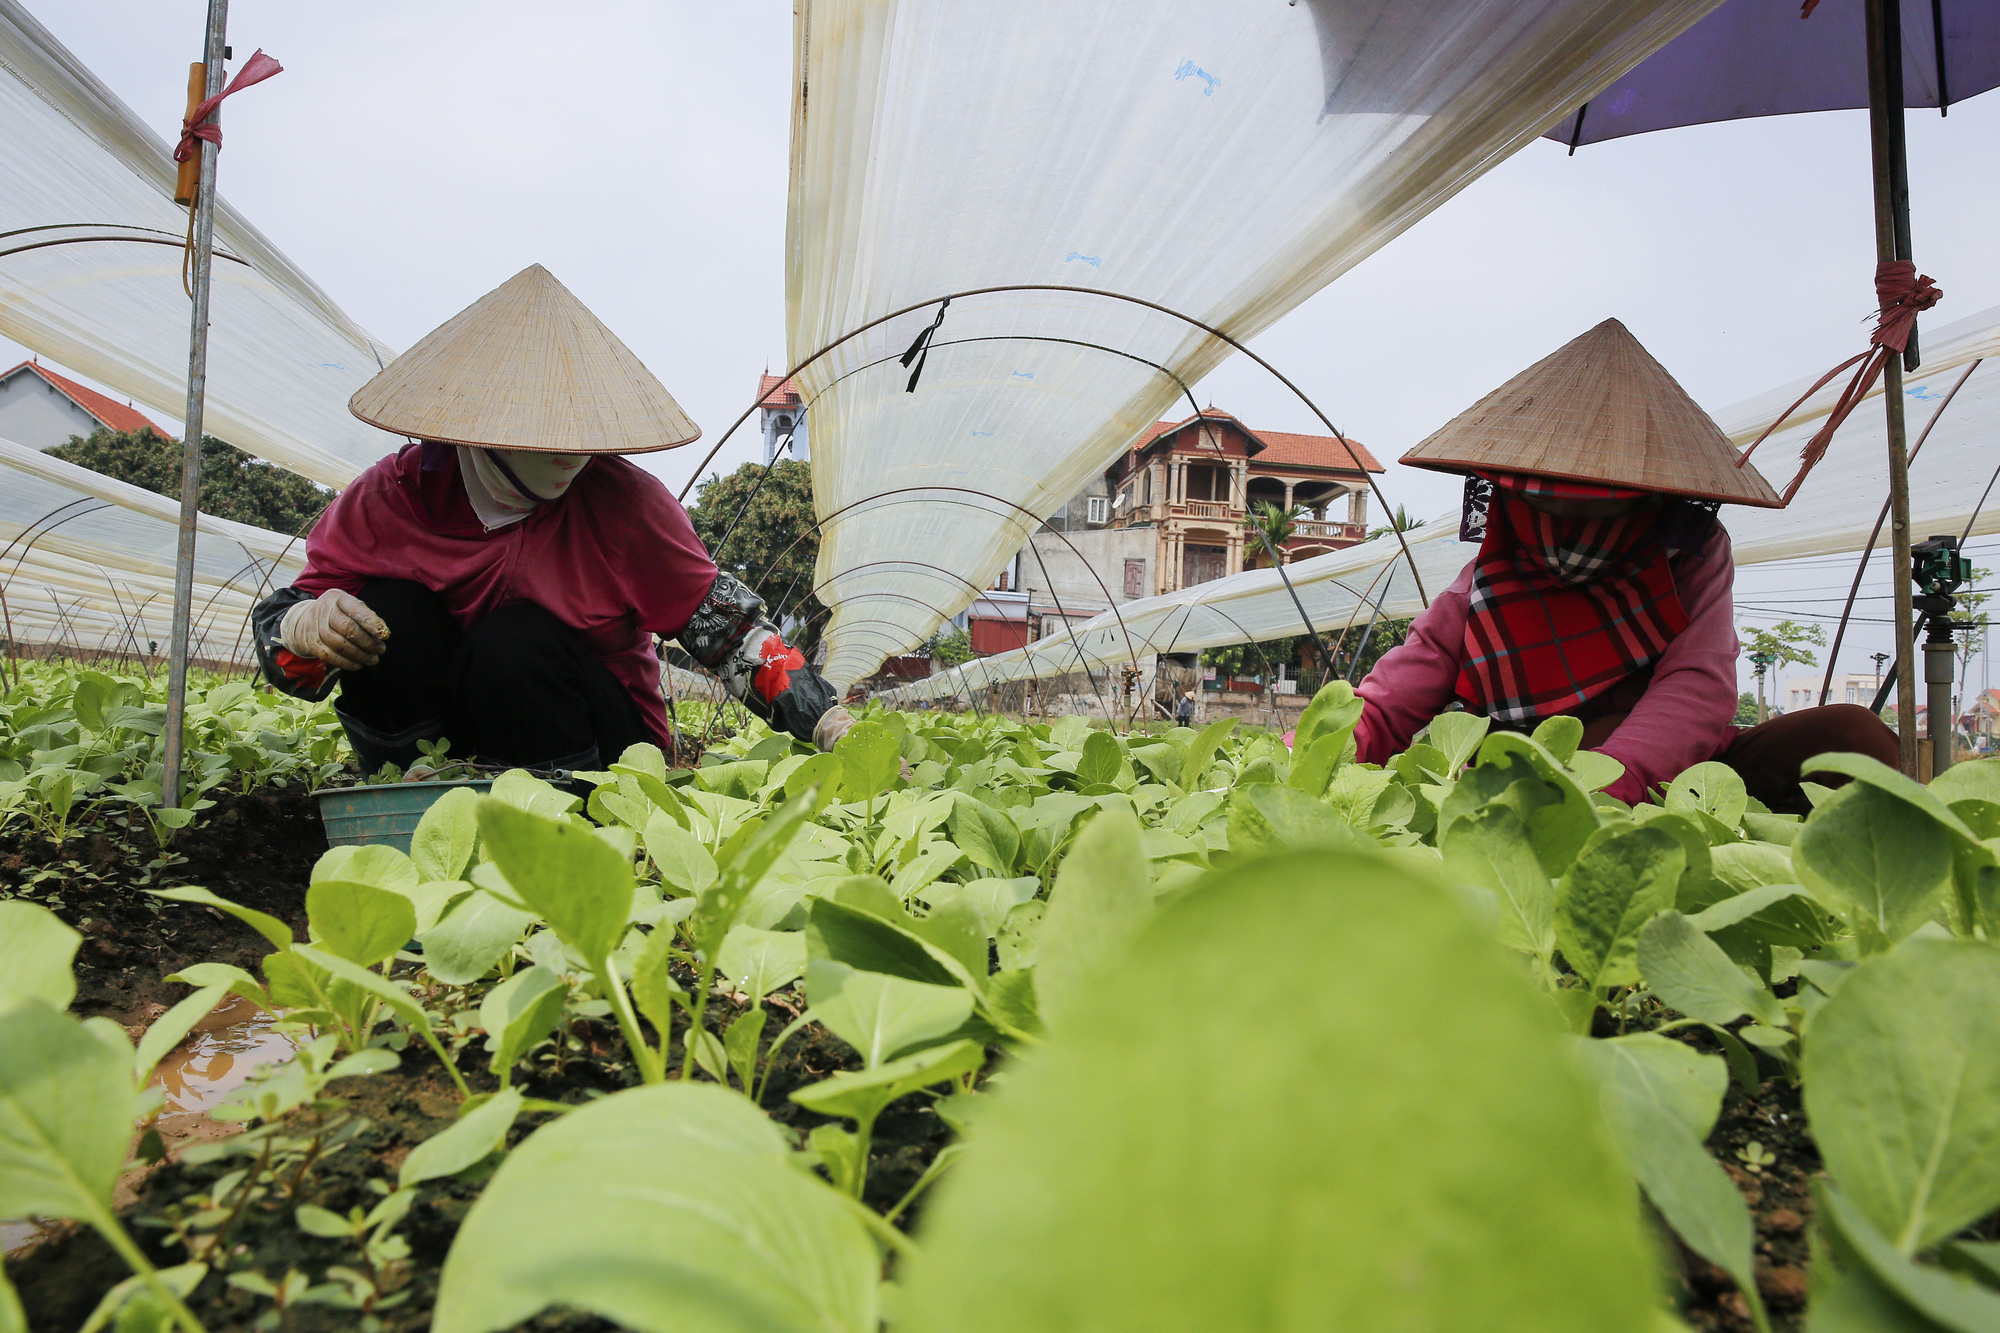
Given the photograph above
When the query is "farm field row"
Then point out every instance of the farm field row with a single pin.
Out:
(975, 1023)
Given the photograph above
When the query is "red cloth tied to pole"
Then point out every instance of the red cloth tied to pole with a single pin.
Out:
(256, 69)
(1901, 294)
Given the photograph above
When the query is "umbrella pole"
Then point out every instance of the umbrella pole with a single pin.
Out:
(1892, 242)
(203, 235)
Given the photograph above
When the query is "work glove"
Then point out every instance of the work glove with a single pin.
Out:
(832, 725)
(336, 628)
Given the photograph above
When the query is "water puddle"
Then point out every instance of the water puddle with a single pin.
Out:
(217, 1058)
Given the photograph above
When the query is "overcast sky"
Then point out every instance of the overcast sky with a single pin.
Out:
(414, 156)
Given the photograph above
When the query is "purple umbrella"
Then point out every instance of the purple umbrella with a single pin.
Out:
(1774, 57)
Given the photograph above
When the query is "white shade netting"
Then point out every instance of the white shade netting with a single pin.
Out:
(90, 275)
(1223, 158)
(1834, 512)
(83, 555)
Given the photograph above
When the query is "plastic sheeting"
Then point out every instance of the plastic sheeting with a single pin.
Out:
(88, 561)
(90, 274)
(1225, 158)
(1833, 513)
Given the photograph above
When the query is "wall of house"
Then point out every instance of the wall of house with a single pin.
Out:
(1099, 552)
(34, 414)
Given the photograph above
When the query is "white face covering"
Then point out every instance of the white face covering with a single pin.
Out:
(505, 485)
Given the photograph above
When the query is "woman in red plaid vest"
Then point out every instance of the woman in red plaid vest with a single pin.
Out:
(1601, 587)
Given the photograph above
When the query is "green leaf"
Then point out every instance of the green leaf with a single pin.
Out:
(1163, 1165)
(1514, 770)
(871, 759)
(1712, 788)
(824, 771)
(472, 937)
(1593, 770)
(739, 1044)
(881, 1016)
(524, 791)
(1560, 735)
(1201, 751)
(1313, 769)
(1457, 736)
(990, 900)
(1492, 850)
(373, 864)
(263, 923)
(1920, 1298)
(1266, 815)
(1334, 711)
(1103, 895)
(718, 906)
(1660, 1099)
(569, 876)
(760, 961)
(363, 925)
(1881, 862)
(844, 927)
(67, 1102)
(391, 993)
(465, 1143)
(646, 758)
(683, 862)
(1903, 1090)
(1101, 759)
(169, 1029)
(36, 954)
(1621, 878)
(986, 837)
(1691, 973)
(445, 838)
(862, 1096)
(1885, 779)
(667, 1209)
(518, 1013)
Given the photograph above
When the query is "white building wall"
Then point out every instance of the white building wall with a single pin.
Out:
(34, 413)
(1101, 552)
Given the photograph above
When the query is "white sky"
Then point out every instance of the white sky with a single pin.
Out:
(412, 157)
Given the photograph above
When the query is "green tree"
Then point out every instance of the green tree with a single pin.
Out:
(1746, 709)
(774, 546)
(233, 484)
(1278, 525)
(1400, 521)
(951, 646)
(1782, 643)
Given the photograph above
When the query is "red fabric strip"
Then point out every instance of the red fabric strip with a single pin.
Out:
(256, 69)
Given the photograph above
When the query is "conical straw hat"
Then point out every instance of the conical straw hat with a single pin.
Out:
(526, 366)
(1598, 409)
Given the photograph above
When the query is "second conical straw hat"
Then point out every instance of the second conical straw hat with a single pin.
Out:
(526, 366)
(1598, 409)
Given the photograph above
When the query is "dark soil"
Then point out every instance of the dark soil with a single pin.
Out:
(1779, 1195)
(256, 849)
(381, 1119)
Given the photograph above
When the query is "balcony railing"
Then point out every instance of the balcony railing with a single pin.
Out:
(1328, 530)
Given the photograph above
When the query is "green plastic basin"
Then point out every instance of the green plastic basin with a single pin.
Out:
(385, 814)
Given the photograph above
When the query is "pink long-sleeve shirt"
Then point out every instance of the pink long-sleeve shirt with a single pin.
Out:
(614, 558)
(1686, 714)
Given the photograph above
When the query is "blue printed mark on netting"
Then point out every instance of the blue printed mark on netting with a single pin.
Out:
(1095, 261)
(1189, 70)
(1024, 374)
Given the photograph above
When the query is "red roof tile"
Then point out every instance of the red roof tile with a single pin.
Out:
(114, 414)
(1281, 448)
(787, 394)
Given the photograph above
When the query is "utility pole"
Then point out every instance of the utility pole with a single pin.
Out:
(1761, 661)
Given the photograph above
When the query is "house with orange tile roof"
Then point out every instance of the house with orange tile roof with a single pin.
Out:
(782, 412)
(41, 409)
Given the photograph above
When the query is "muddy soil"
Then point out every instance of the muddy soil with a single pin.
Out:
(256, 849)
(378, 1121)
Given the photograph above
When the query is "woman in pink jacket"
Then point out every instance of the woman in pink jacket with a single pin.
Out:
(1601, 589)
(500, 582)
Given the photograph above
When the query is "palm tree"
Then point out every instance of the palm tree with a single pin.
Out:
(1277, 524)
(1400, 521)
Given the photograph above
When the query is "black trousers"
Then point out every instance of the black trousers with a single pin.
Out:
(519, 688)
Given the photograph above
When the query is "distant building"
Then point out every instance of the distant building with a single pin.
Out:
(1803, 691)
(782, 413)
(41, 409)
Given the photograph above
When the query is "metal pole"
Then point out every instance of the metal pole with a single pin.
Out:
(204, 236)
(1940, 657)
(1892, 242)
